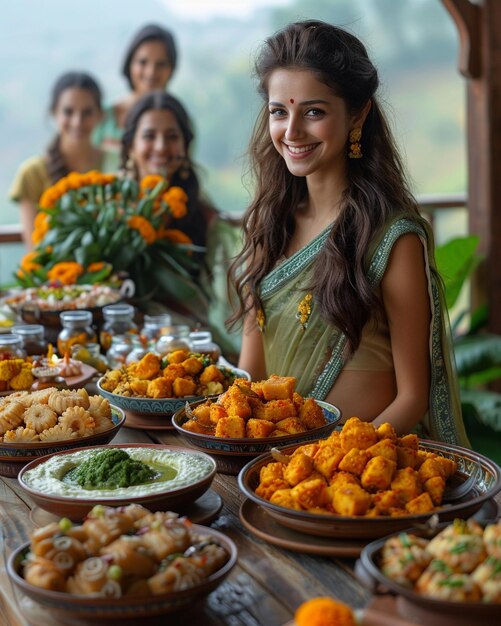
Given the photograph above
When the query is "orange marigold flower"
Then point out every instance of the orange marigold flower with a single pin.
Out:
(74, 180)
(174, 235)
(149, 182)
(146, 230)
(48, 199)
(65, 272)
(324, 611)
(41, 227)
(28, 263)
(96, 267)
(176, 198)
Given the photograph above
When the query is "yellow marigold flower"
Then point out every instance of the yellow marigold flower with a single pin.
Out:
(149, 182)
(65, 272)
(74, 180)
(324, 611)
(146, 230)
(107, 179)
(48, 199)
(96, 267)
(41, 227)
(28, 263)
(175, 235)
(176, 198)
(61, 187)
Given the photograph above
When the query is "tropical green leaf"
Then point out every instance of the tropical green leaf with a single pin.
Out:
(456, 260)
(486, 404)
(477, 353)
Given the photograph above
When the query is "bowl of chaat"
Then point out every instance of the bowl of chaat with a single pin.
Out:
(40, 423)
(366, 482)
(122, 564)
(447, 574)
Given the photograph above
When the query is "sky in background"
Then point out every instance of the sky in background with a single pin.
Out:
(206, 9)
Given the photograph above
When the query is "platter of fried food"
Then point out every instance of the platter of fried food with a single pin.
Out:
(120, 564)
(251, 417)
(45, 421)
(450, 572)
(161, 385)
(365, 482)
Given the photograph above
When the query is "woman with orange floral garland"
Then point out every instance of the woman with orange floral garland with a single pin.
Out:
(157, 141)
(76, 108)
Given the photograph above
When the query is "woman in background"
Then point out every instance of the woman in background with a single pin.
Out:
(149, 63)
(158, 140)
(336, 282)
(76, 108)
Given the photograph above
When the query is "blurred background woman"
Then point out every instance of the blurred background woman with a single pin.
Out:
(149, 63)
(76, 108)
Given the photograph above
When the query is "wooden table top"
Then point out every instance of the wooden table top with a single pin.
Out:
(265, 587)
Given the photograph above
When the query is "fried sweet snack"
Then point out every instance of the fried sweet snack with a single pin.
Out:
(179, 374)
(268, 408)
(358, 472)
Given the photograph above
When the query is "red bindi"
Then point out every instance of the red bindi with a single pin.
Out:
(291, 100)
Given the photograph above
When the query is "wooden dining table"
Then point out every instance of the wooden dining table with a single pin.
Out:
(264, 588)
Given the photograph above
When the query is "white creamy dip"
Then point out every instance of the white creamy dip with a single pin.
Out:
(47, 477)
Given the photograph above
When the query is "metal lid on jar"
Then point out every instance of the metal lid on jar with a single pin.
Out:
(157, 320)
(118, 311)
(28, 330)
(73, 317)
(8, 340)
(200, 336)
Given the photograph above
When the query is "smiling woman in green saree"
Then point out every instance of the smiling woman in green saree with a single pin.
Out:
(336, 280)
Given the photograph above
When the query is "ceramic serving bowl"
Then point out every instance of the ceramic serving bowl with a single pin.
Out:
(74, 610)
(14, 456)
(156, 407)
(414, 606)
(232, 454)
(487, 485)
(165, 498)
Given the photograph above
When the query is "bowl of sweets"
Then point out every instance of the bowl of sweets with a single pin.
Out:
(365, 482)
(251, 418)
(39, 423)
(443, 575)
(122, 564)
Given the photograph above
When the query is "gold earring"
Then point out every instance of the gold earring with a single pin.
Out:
(355, 145)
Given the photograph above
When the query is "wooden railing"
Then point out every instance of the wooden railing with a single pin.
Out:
(430, 204)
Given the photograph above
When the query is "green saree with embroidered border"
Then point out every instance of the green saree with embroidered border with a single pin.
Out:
(298, 342)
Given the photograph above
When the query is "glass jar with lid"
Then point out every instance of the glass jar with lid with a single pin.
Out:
(140, 347)
(155, 325)
(175, 337)
(118, 320)
(11, 346)
(121, 346)
(90, 354)
(202, 343)
(77, 328)
(32, 338)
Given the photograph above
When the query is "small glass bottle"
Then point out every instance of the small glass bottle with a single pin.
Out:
(154, 326)
(175, 337)
(121, 346)
(77, 328)
(90, 354)
(201, 342)
(11, 346)
(32, 338)
(118, 320)
(140, 347)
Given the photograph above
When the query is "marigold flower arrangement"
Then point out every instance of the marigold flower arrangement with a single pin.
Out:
(91, 227)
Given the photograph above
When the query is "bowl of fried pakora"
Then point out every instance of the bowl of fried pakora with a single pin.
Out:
(448, 574)
(39, 423)
(363, 482)
(158, 385)
(252, 417)
(122, 564)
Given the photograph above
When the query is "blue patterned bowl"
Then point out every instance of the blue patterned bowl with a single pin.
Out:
(231, 454)
(14, 456)
(76, 610)
(155, 406)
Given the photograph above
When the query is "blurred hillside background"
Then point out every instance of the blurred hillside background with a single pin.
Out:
(413, 42)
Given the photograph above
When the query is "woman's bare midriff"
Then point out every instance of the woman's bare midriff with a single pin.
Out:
(363, 394)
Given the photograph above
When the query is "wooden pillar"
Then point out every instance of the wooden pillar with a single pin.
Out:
(479, 28)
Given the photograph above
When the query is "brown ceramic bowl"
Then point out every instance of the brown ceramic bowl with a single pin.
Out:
(416, 607)
(75, 506)
(231, 454)
(488, 484)
(75, 610)
(14, 456)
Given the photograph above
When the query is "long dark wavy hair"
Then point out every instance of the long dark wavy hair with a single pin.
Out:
(56, 164)
(200, 211)
(377, 188)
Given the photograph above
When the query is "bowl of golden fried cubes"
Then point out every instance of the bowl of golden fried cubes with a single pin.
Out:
(160, 385)
(252, 417)
(366, 482)
(443, 575)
